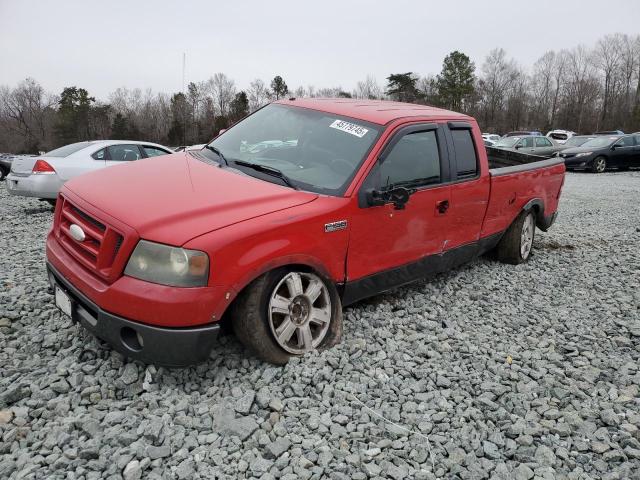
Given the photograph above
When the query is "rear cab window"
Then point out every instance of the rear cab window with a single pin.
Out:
(464, 151)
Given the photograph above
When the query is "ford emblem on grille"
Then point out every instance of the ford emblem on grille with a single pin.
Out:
(77, 233)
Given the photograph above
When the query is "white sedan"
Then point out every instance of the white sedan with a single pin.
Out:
(42, 176)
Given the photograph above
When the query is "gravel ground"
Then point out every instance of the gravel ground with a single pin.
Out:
(490, 371)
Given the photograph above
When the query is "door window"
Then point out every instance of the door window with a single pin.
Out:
(526, 142)
(124, 153)
(542, 142)
(625, 142)
(414, 161)
(153, 151)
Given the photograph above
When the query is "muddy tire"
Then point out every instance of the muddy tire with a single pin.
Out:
(516, 244)
(287, 312)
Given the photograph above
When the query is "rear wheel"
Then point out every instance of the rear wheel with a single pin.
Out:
(3, 174)
(599, 165)
(516, 244)
(288, 312)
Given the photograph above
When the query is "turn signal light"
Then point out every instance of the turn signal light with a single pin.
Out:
(42, 167)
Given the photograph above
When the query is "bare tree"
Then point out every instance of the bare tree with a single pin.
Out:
(368, 89)
(258, 94)
(223, 90)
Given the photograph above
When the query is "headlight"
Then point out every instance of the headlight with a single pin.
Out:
(584, 154)
(168, 265)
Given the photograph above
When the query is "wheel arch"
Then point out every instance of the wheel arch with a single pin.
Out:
(305, 263)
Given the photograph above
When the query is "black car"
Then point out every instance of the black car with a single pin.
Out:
(600, 153)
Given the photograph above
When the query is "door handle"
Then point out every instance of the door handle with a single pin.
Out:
(442, 206)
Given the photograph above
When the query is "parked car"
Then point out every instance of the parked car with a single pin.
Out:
(522, 133)
(560, 136)
(533, 145)
(356, 200)
(610, 132)
(493, 137)
(602, 152)
(42, 176)
(5, 164)
(489, 143)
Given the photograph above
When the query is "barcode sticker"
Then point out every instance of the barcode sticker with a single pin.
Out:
(351, 128)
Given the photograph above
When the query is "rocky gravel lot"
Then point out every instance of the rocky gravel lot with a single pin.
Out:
(490, 371)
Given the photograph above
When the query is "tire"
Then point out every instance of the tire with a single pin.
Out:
(3, 174)
(516, 244)
(259, 315)
(599, 165)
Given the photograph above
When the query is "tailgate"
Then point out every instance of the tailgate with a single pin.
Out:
(512, 188)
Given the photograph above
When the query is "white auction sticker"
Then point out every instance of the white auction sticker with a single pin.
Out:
(351, 128)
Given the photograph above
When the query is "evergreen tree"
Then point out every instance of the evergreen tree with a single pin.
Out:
(456, 81)
(119, 127)
(278, 87)
(72, 117)
(239, 106)
(402, 87)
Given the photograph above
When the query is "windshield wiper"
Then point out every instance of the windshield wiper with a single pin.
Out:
(217, 152)
(268, 170)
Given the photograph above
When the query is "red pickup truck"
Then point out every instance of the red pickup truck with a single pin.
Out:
(303, 207)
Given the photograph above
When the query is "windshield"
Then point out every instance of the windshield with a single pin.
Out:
(317, 151)
(599, 142)
(508, 142)
(67, 149)
(577, 141)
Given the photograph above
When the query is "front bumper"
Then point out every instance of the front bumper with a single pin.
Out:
(578, 163)
(39, 186)
(172, 347)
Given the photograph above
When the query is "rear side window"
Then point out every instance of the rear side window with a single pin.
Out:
(124, 153)
(153, 151)
(414, 161)
(100, 154)
(466, 158)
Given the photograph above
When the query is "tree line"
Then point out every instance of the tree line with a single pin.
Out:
(581, 89)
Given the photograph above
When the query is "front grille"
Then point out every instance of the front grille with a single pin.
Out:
(98, 250)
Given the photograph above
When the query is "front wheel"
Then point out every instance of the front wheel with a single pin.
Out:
(516, 244)
(599, 165)
(288, 312)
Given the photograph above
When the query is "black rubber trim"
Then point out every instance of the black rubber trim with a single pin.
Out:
(170, 347)
(423, 268)
(525, 167)
(546, 222)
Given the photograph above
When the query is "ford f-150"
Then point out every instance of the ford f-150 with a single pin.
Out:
(301, 208)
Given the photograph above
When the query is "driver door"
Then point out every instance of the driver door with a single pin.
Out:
(389, 244)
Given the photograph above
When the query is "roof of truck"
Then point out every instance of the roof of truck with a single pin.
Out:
(374, 111)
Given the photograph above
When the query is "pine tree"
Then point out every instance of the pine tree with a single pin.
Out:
(456, 81)
(278, 87)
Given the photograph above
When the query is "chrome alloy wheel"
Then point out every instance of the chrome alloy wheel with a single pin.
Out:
(526, 236)
(601, 165)
(300, 312)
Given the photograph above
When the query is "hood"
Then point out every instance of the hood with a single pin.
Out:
(174, 198)
(576, 150)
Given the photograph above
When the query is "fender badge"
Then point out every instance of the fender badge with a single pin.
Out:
(335, 226)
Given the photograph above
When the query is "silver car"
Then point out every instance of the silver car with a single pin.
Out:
(42, 176)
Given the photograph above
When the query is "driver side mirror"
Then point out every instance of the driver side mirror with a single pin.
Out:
(518, 146)
(615, 145)
(398, 196)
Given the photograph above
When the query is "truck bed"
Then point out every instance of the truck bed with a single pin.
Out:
(536, 183)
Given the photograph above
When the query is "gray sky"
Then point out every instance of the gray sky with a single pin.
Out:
(102, 45)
